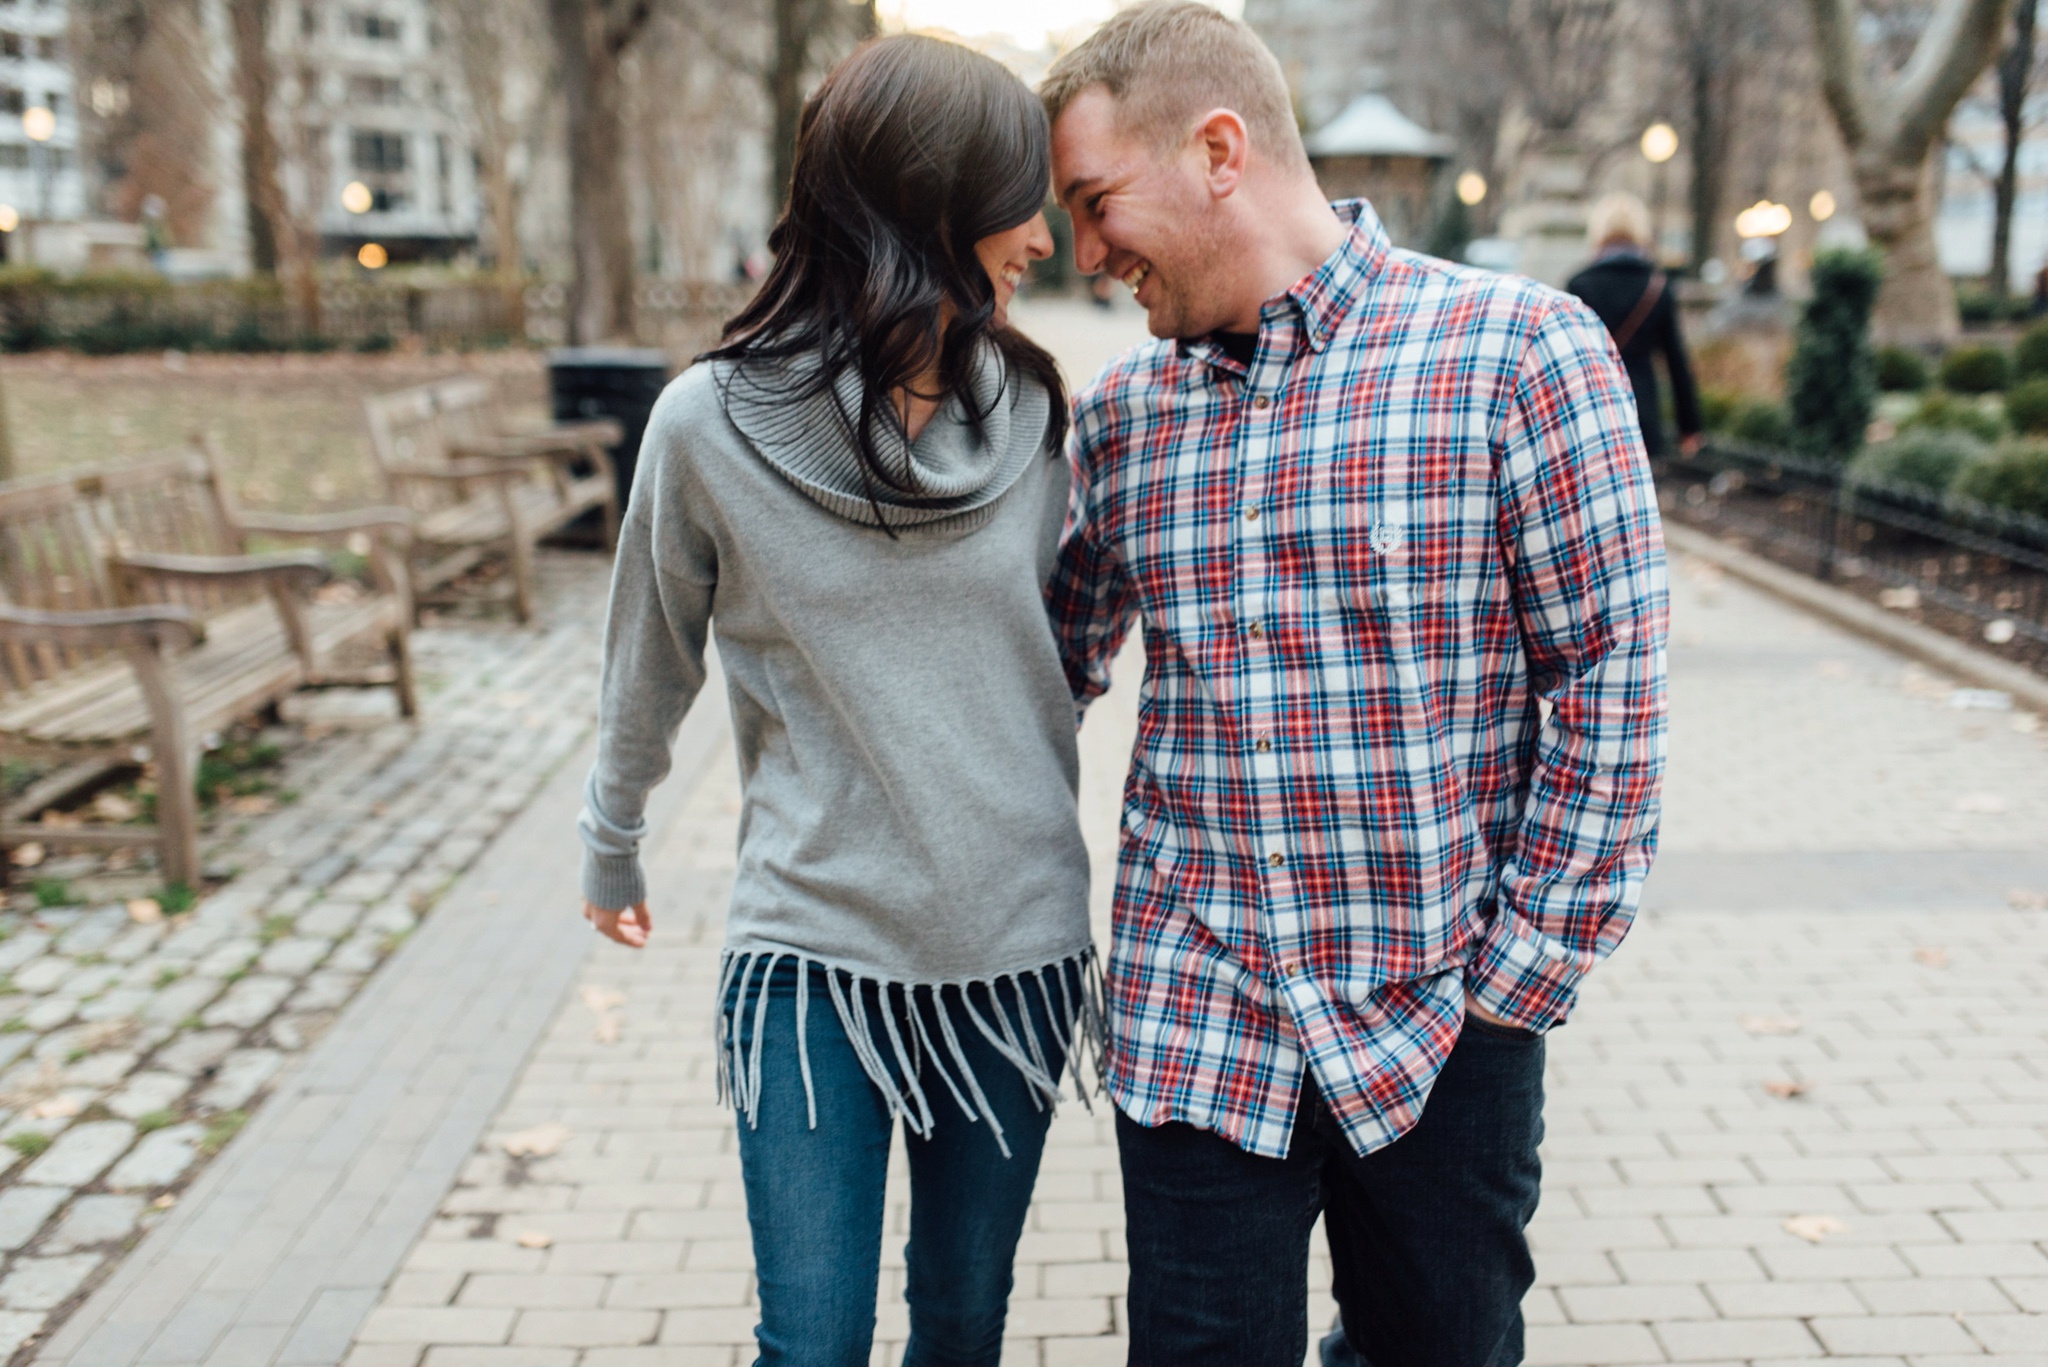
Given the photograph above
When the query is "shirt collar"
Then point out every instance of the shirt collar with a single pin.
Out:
(1325, 294)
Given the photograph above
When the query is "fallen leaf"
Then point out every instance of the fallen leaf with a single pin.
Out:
(533, 1238)
(27, 856)
(2000, 631)
(164, 1202)
(1785, 1088)
(1814, 1228)
(2026, 899)
(1899, 600)
(1771, 1025)
(56, 1108)
(603, 999)
(538, 1142)
(145, 911)
(1981, 804)
(254, 804)
(113, 807)
(1934, 956)
(1922, 683)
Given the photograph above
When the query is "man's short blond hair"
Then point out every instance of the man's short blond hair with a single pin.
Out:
(1619, 217)
(1168, 62)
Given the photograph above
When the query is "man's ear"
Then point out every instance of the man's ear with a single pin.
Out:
(1225, 146)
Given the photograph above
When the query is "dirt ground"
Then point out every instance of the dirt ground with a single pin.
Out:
(291, 427)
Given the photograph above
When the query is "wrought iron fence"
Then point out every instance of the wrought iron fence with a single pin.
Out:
(1966, 568)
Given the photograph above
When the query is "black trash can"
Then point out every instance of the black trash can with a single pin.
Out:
(620, 383)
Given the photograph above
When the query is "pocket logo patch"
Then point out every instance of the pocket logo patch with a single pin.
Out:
(1385, 538)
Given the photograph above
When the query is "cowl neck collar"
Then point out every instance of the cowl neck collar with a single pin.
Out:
(959, 475)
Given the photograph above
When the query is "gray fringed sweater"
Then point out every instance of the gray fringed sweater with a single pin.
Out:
(905, 732)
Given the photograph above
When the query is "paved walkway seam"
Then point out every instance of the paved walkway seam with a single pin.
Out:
(285, 1244)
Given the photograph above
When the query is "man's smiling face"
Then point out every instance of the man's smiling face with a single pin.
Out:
(1143, 214)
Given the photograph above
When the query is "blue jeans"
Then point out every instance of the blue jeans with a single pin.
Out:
(814, 1196)
(1426, 1234)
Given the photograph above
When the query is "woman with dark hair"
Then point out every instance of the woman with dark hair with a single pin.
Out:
(860, 489)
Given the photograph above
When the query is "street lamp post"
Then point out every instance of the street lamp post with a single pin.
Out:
(40, 125)
(1659, 145)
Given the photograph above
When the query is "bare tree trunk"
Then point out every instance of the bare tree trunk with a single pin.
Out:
(2015, 73)
(1893, 134)
(590, 38)
(1708, 192)
(489, 36)
(255, 85)
(790, 60)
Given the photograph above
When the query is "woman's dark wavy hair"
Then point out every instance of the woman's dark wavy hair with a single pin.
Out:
(911, 151)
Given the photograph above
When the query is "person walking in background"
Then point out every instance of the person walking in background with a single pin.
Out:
(1375, 511)
(1640, 308)
(861, 489)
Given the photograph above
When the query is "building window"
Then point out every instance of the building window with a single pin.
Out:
(50, 49)
(12, 100)
(309, 21)
(378, 28)
(376, 90)
(378, 153)
(13, 156)
(53, 102)
(10, 45)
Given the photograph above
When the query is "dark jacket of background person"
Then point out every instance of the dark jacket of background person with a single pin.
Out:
(1612, 286)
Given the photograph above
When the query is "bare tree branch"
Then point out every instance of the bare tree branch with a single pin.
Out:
(1841, 67)
(1951, 55)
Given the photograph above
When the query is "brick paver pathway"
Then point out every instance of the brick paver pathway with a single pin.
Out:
(1783, 1127)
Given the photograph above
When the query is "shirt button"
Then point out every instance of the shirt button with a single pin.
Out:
(1262, 744)
(1262, 403)
(1288, 968)
(1256, 629)
(1251, 514)
(1277, 859)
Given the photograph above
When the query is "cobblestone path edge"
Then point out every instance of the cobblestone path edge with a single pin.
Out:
(286, 1242)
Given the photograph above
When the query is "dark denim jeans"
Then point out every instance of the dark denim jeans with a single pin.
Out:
(1426, 1234)
(814, 1196)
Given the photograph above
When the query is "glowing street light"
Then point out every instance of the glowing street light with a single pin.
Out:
(1660, 143)
(39, 123)
(356, 197)
(1471, 189)
(10, 218)
(1821, 206)
(373, 256)
(1763, 219)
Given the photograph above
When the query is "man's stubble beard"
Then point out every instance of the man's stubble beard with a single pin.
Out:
(1194, 289)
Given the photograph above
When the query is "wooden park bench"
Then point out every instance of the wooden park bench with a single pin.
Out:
(478, 490)
(135, 624)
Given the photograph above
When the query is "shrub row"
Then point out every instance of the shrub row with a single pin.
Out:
(1974, 369)
(1949, 462)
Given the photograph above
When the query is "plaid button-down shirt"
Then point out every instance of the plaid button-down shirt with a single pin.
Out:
(1360, 562)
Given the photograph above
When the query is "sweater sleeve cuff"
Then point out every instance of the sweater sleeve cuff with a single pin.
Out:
(613, 881)
(1519, 974)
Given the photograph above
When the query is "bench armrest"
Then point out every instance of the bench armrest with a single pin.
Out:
(161, 626)
(395, 523)
(304, 569)
(457, 471)
(554, 443)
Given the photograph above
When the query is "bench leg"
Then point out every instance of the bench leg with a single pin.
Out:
(522, 578)
(172, 751)
(402, 680)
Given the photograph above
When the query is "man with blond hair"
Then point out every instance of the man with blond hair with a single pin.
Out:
(1389, 528)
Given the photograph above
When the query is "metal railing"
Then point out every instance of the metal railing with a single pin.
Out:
(1975, 571)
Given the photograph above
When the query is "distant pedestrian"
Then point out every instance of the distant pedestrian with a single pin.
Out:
(1639, 305)
(860, 491)
(1375, 511)
(2039, 307)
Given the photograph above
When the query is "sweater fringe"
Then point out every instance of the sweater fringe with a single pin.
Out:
(1073, 1006)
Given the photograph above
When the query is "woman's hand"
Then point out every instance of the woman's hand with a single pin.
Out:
(630, 927)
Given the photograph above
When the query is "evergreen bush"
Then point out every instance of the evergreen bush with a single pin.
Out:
(1930, 459)
(1718, 408)
(1902, 370)
(1944, 410)
(2030, 358)
(1831, 381)
(2014, 477)
(1976, 370)
(2026, 407)
(1762, 422)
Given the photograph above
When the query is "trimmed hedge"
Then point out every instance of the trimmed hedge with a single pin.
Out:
(1930, 459)
(1902, 370)
(1762, 422)
(2015, 476)
(1976, 370)
(2026, 407)
(1944, 411)
(2030, 358)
